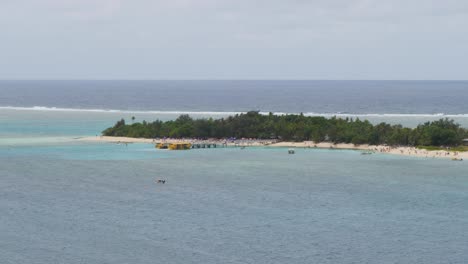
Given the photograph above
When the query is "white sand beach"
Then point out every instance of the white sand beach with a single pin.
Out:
(406, 151)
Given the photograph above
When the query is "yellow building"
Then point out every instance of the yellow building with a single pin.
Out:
(180, 146)
(173, 146)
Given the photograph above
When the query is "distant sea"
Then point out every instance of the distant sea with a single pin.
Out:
(309, 97)
(69, 201)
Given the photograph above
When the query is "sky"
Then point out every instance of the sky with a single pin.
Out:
(234, 39)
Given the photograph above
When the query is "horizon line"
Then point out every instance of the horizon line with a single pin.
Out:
(247, 79)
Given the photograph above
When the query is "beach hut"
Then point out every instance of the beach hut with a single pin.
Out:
(465, 142)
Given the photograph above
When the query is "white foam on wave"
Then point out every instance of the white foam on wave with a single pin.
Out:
(386, 115)
(389, 115)
(59, 109)
(227, 113)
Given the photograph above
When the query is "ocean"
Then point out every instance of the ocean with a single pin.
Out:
(313, 97)
(68, 201)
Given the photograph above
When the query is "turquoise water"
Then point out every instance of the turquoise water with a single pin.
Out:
(31, 126)
(22, 125)
(65, 201)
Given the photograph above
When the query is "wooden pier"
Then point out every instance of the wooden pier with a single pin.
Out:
(207, 145)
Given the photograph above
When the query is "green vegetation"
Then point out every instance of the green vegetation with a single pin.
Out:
(440, 133)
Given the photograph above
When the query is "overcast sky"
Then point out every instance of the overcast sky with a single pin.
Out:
(234, 39)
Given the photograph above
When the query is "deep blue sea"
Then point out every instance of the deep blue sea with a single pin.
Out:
(68, 201)
(330, 97)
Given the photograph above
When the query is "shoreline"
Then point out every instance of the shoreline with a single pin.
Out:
(402, 151)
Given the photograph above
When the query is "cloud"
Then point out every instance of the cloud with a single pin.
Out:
(236, 37)
(351, 10)
(87, 9)
(59, 9)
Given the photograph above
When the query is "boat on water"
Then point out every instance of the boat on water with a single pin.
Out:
(180, 146)
(174, 146)
(457, 159)
(291, 151)
(161, 145)
(367, 153)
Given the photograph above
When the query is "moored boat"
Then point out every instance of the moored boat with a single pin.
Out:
(180, 146)
(174, 146)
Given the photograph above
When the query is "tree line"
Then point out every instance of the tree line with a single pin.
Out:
(443, 132)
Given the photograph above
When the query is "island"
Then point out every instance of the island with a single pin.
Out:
(442, 138)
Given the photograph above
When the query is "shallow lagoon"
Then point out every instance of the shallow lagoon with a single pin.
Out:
(99, 203)
(65, 201)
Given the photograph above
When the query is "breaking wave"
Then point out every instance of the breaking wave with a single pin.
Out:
(223, 113)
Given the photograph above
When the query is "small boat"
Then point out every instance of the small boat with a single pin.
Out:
(367, 153)
(457, 159)
(180, 146)
(162, 145)
(174, 146)
(291, 151)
